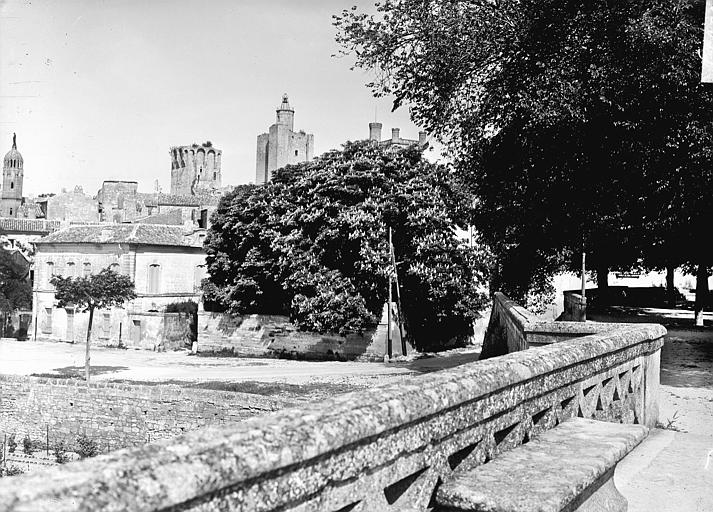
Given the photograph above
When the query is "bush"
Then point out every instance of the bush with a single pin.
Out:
(28, 445)
(86, 447)
(11, 443)
(60, 453)
(10, 471)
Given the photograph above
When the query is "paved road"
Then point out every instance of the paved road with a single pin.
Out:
(672, 470)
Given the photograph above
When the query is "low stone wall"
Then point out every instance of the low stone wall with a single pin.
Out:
(575, 307)
(157, 331)
(276, 336)
(512, 328)
(117, 415)
(386, 448)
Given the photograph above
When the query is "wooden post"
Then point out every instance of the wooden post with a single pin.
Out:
(707, 67)
(388, 313)
(584, 285)
(399, 310)
(47, 443)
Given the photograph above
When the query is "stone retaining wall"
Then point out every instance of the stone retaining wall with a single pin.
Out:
(276, 336)
(387, 448)
(117, 415)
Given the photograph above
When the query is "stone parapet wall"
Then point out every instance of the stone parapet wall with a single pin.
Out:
(117, 415)
(386, 448)
(513, 328)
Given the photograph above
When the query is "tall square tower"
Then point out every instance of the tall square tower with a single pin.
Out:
(282, 146)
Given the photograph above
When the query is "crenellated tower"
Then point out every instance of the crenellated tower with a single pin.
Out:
(195, 169)
(12, 176)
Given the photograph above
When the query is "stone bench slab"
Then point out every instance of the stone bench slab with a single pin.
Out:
(556, 471)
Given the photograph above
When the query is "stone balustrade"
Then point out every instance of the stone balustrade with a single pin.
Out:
(386, 448)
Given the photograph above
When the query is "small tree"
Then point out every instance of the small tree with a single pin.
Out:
(98, 291)
(60, 453)
(86, 447)
(11, 443)
(28, 446)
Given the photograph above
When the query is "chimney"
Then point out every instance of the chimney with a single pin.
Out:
(422, 138)
(375, 131)
(395, 135)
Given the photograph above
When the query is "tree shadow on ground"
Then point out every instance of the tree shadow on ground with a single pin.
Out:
(308, 392)
(77, 372)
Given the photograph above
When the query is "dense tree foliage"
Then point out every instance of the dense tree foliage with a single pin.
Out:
(312, 243)
(15, 286)
(98, 291)
(577, 125)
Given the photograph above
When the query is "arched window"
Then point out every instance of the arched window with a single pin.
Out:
(12, 184)
(154, 278)
(87, 269)
(11, 212)
(114, 267)
(71, 269)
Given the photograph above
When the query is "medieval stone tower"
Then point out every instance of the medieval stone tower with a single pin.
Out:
(282, 145)
(12, 175)
(195, 169)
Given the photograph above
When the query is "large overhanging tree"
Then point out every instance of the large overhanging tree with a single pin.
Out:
(312, 243)
(15, 287)
(576, 125)
(97, 291)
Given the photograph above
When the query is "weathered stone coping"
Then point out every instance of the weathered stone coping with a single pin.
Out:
(548, 473)
(283, 459)
(512, 328)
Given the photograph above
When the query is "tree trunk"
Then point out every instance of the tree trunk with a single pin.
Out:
(670, 287)
(89, 337)
(602, 276)
(701, 292)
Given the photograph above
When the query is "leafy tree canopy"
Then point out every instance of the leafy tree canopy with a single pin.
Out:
(15, 287)
(312, 243)
(97, 291)
(576, 125)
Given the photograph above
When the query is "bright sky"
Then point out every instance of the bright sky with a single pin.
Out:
(100, 89)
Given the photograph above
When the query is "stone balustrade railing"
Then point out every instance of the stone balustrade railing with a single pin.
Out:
(386, 448)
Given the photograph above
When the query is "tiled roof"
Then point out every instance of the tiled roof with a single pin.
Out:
(178, 200)
(13, 225)
(147, 234)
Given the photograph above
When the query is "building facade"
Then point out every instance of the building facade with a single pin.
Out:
(12, 176)
(166, 264)
(282, 146)
(195, 169)
(395, 140)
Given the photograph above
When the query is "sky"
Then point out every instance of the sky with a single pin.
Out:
(101, 89)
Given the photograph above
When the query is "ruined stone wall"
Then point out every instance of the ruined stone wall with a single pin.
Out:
(117, 415)
(387, 448)
(119, 202)
(73, 206)
(195, 168)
